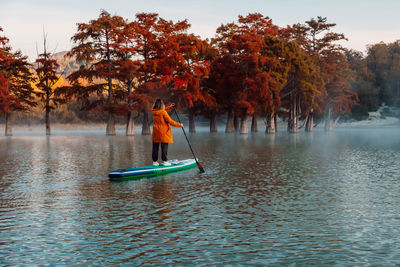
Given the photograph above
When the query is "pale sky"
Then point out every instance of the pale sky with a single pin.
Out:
(362, 21)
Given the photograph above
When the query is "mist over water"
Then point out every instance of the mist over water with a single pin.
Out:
(308, 199)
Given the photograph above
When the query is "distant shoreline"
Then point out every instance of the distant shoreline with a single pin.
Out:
(100, 128)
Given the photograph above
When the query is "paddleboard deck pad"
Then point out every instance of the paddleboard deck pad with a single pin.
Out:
(150, 171)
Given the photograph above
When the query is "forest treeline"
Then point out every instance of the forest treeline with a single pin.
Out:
(251, 69)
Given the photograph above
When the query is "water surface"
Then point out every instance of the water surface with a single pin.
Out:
(307, 199)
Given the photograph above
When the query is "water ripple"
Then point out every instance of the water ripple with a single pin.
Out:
(286, 200)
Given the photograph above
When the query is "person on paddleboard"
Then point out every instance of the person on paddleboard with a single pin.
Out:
(162, 133)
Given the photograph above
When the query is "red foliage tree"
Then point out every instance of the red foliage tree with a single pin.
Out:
(127, 66)
(16, 81)
(340, 98)
(4, 64)
(244, 41)
(20, 87)
(167, 63)
(224, 81)
(96, 45)
(143, 34)
(184, 68)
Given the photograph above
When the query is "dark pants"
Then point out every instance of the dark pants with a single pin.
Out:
(164, 151)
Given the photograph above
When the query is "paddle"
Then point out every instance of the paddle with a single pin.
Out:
(195, 158)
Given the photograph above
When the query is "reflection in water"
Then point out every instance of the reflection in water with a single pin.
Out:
(307, 199)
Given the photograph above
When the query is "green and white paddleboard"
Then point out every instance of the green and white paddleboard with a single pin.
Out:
(150, 171)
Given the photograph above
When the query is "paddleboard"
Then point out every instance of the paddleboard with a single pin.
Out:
(150, 171)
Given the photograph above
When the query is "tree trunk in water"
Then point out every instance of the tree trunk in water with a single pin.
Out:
(213, 125)
(335, 122)
(130, 125)
(192, 126)
(328, 120)
(8, 131)
(310, 122)
(293, 124)
(146, 124)
(229, 124)
(271, 124)
(47, 118)
(243, 125)
(236, 122)
(254, 125)
(290, 120)
(110, 130)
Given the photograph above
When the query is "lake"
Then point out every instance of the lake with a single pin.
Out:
(317, 199)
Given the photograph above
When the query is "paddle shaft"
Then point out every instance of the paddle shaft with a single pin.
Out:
(190, 146)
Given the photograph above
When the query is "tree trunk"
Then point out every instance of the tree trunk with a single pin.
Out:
(8, 131)
(110, 130)
(229, 124)
(236, 122)
(271, 124)
(297, 113)
(335, 122)
(213, 125)
(293, 124)
(254, 125)
(328, 120)
(243, 125)
(146, 124)
(192, 126)
(310, 122)
(290, 120)
(130, 125)
(47, 118)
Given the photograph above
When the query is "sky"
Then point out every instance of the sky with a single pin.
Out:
(363, 22)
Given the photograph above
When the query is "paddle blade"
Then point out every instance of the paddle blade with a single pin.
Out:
(200, 168)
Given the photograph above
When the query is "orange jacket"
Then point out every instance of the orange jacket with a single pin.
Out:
(161, 126)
